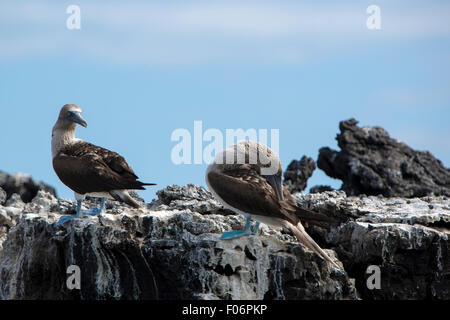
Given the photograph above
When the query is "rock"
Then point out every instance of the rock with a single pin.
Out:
(414, 260)
(2, 196)
(407, 238)
(171, 249)
(166, 252)
(8, 218)
(320, 188)
(189, 197)
(372, 163)
(23, 185)
(15, 201)
(297, 174)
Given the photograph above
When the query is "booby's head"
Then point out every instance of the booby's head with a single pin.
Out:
(70, 115)
(63, 132)
(252, 156)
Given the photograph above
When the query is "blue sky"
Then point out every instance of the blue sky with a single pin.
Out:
(141, 70)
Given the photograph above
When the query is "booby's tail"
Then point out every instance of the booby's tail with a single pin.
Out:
(305, 239)
(148, 184)
(124, 196)
(140, 185)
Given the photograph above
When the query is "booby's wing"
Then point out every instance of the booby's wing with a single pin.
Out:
(246, 190)
(86, 168)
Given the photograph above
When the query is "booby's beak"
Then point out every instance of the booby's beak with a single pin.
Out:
(75, 116)
(277, 186)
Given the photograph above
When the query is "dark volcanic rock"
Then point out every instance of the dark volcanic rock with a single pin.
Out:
(319, 189)
(2, 196)
(414, 261)
(298, 173)
(408, 239)
(166, 251)
(172, 250)
(23, 185)
(112, 265)
(372, 163)
(189, 197)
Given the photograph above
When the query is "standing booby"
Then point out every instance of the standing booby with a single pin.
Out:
(253, 190)
(88, 169)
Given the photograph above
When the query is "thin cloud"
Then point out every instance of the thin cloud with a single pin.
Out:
(225, 31)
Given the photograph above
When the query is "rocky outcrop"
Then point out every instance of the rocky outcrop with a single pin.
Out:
(171, 249)
(168, 250)
(371, 162)
(297, 174)
(23, 185)
(407, 238)
(2, 196)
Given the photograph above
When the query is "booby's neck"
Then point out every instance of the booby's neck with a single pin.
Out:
(62, 136)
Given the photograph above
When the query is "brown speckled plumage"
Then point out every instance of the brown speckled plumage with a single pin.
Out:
(86, 168)
(245, 189)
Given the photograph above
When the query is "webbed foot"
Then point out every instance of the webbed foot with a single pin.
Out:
(96, 211)
(240, 233)
(64, 219)
(234, 234)
(93, 211)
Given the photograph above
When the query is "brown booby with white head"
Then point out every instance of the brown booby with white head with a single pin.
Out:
(247, 178)
(88, 169)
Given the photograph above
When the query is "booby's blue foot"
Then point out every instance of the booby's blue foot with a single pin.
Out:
(234, 234)
(64, 219)
(239, 233)
(92, 211)
(80, 214)
(96, 211)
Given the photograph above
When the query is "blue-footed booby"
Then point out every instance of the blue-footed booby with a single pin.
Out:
(88, 169)
(247, 178)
